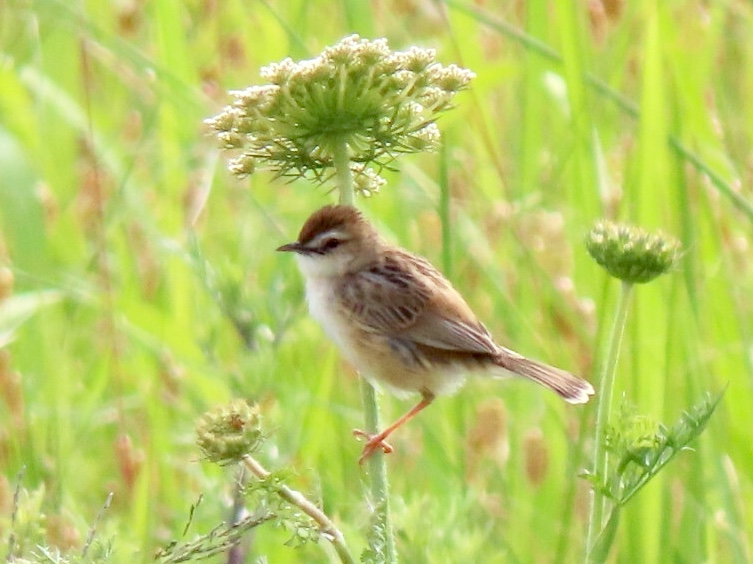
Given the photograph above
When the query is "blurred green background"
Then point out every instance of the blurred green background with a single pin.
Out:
(140, 286)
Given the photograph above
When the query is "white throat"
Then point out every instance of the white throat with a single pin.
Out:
(322, 266)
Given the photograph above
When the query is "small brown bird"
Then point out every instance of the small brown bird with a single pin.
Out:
(398, 321)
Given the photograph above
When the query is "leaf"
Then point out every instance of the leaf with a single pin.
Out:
(15, 310)
(668, 443)
(600, 550)
(598, 484)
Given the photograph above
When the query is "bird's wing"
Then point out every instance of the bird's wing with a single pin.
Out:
(386, 297)
(452, 334)
(396, 298)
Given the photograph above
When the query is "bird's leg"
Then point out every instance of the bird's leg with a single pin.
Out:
(374, 442)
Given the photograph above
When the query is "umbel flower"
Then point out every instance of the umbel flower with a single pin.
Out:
(226, 434)
(357, 93)
(630, 253)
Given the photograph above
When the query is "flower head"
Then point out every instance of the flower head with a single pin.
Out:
(225, 434)
(631, 253)
(379, 102)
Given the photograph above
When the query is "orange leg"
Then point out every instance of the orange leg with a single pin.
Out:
(374, 442)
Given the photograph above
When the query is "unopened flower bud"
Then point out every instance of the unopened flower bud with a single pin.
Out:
(630, 253)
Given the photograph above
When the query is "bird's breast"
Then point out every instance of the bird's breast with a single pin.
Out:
(323, 306)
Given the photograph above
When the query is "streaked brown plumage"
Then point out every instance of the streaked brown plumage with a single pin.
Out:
(398, 320)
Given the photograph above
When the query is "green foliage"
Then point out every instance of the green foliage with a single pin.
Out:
(217, 541)
(639, 449)
(27, 530)
(642, 447)
(265, 495)
(378, 533)
(265, 504)
(26, 525)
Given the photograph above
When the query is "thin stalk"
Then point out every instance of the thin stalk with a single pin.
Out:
(444, 211)
(296, 498)
(380, 491)
(344, 175)
(604, 408)
(382, 538)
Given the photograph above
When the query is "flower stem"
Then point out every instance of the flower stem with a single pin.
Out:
(606, 391)
(344, 174)
(296, 498)
(382, 538)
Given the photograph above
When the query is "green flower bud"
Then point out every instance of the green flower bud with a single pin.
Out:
(225, 434)
(630, 253)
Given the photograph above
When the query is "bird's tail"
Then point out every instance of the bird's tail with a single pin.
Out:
(569, 387)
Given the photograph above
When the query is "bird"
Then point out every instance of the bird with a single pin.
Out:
(398, 321)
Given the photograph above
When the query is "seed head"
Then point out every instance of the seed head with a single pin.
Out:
(225, 434)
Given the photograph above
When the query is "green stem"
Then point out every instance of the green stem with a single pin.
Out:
(606, 391)
(382, 537)
(344, 175)
(296, 498)
(444, 210)
(605, 538)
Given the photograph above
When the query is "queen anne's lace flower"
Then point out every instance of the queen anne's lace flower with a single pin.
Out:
(379, 102)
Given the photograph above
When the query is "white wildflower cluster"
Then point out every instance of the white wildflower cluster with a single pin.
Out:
(379, 102)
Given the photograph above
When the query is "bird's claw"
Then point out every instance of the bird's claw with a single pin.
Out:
(373, 442)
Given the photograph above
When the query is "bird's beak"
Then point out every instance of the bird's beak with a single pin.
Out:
(291, 248)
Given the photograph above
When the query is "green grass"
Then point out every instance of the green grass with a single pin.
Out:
(147, 290)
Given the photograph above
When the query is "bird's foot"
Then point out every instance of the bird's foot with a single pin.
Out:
(373, 442)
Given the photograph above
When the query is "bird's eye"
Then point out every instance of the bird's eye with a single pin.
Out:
(330, 244)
